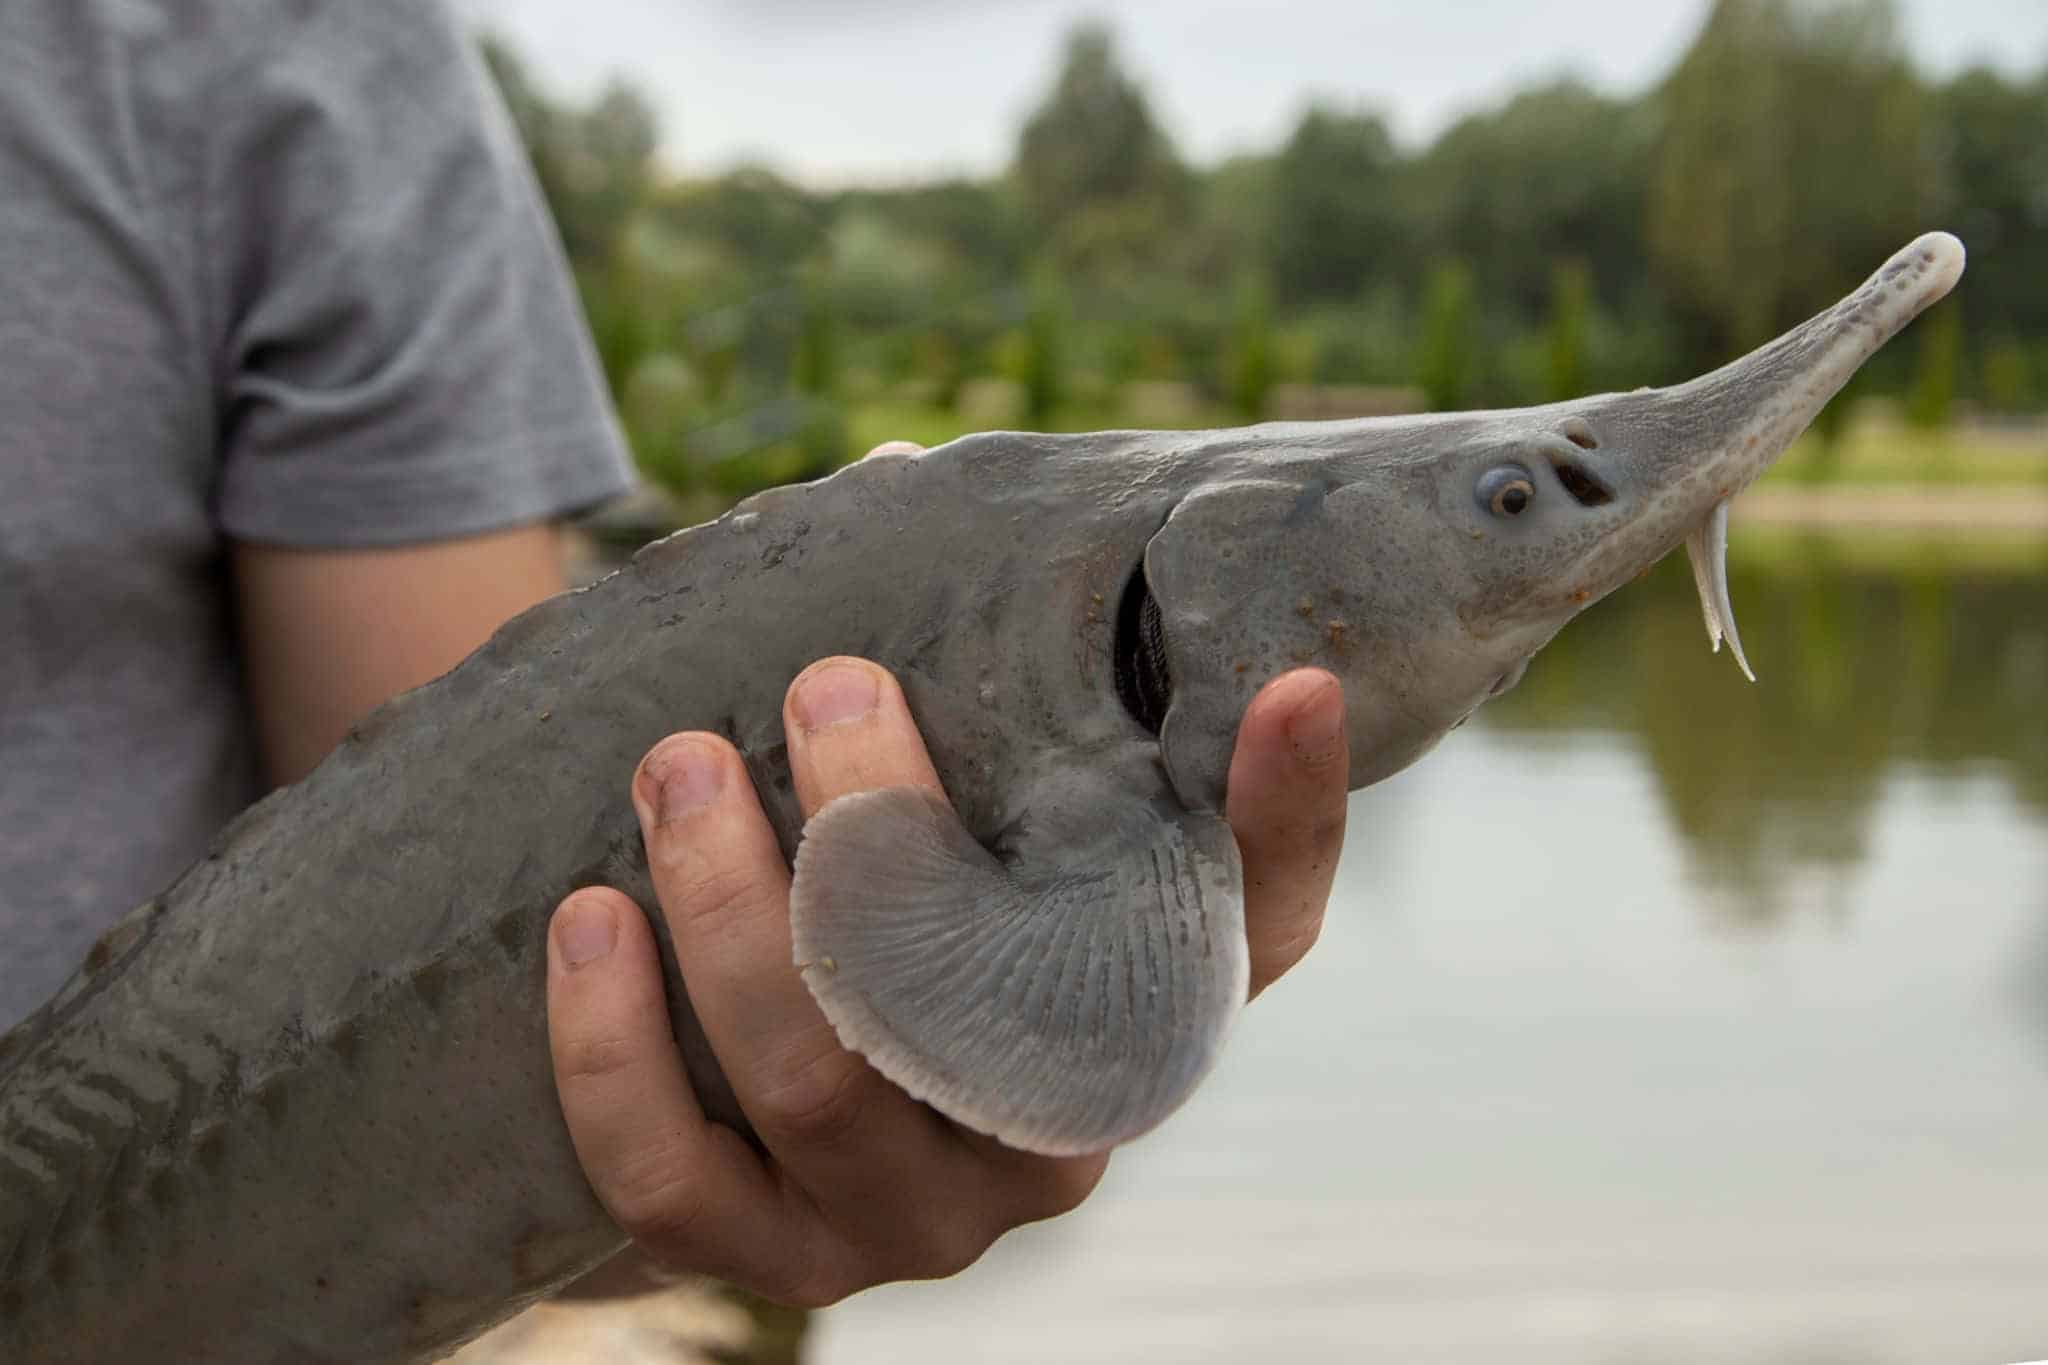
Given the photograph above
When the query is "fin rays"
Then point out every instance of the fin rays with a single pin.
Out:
(1056, 1008)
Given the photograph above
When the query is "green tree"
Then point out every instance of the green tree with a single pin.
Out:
(1044, 357)
(1250, 380)
(1565, 338)
(1337, 220)
(1555, 174)
(1096, 175)
(1993, 138)
(1448, 355)
(1936, 364)
(1792, 161)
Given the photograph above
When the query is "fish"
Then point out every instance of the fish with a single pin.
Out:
(299, 1106)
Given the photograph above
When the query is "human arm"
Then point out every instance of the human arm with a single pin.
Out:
(329, 634)
(857, 1183)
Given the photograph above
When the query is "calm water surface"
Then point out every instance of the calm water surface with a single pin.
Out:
(1659, 1018)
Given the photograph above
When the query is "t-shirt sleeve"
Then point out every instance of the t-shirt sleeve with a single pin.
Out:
(400, 353)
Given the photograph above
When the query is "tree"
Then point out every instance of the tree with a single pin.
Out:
(1565, 338)
(1449, 336)
(1337, 217)
(1993, 140)
(1554, 175)
(1096, 175)
(1250, 359)
(1791, 162)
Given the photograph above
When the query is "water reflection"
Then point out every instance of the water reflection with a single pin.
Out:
(1530, 1100)
(1870, 655)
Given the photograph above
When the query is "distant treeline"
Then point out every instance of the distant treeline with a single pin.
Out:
(1561, 243)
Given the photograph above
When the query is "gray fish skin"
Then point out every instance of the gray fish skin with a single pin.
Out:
(299, 1107)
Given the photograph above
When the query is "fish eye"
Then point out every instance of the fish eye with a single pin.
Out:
(1506, 490)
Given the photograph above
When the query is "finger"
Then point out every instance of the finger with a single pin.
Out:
(895, 448)
(821, 1110)
(850, 730)
(1286, 800)
(691, 1193)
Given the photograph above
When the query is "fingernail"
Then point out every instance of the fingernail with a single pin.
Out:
(835, 694)
(1317, 726)
(585, 932)
(685, 774)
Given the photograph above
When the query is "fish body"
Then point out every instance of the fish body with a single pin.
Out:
(299, 1106)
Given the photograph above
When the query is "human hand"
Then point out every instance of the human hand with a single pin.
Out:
(858, 1184)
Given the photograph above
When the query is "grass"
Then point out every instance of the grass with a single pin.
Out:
(1897, 550)
(1877, 452)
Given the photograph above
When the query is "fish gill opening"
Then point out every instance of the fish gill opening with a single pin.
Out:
(1143, 682)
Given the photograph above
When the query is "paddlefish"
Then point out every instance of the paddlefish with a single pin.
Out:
(299, 1106)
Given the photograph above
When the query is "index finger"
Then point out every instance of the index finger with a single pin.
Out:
(850, 730)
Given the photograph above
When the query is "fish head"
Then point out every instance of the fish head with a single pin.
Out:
(1425, 560)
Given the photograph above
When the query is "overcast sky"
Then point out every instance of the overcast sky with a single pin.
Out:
(846, 91)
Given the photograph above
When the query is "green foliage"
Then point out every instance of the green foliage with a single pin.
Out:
(750, 325)
(1993, 137)
(1792, 157)
(1097, 177)
(1251, 350)
(1337, 217)
(2009, 384)
(815, 367)
(1043, 358)
(1571, 291)
(1558, 172)
(1931, 399)
(1445, 364)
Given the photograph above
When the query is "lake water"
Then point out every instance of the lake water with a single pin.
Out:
(1658, 1018)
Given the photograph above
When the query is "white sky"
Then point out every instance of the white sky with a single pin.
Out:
(850, 91)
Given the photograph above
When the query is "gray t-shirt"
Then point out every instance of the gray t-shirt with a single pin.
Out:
(269, 269)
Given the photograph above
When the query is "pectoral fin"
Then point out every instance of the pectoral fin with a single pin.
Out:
(1061, 1005)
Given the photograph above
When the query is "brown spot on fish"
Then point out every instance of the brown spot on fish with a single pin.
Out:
(212, 1149)
(509, 929)
(270, 1098)
(430, 983)
(345, 1041)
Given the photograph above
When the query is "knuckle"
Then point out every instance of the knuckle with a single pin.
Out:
(813, 1295)
(794, 1276)
(816, 1289)
(595, 1058)
(1065, 1187)
(656, 1201)
(711, 897)
(955, 1244)
(1292, 947)
(820, 1105)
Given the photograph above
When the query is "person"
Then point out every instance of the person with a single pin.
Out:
(294, 394)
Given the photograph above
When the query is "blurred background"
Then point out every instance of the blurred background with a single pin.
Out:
(1659, 1016)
